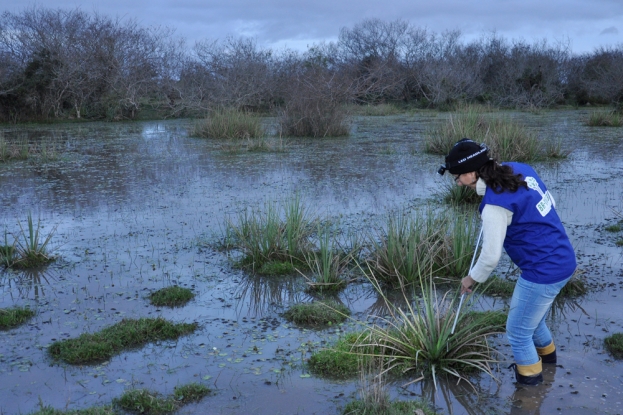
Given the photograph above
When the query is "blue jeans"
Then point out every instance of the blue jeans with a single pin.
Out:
(525, 326)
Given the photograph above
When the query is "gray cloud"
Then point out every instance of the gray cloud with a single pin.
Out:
(610, 31)
(287, 22)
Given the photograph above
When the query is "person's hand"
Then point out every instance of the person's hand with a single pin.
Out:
(466, 284)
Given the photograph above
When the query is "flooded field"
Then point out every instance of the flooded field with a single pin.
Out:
(140, 206)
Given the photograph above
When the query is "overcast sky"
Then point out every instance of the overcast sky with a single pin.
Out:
(295, 24)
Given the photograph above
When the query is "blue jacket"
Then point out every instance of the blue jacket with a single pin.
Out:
(536, 240)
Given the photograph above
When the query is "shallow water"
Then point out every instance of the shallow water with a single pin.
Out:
(138, 206)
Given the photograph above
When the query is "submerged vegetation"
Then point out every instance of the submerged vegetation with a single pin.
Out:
(29, 249)
(14, 317)
(143, 401)
(127, 334)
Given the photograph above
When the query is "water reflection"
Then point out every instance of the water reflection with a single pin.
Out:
(27, 284)
(260, 294)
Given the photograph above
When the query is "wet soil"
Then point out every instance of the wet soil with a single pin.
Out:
(139, 206)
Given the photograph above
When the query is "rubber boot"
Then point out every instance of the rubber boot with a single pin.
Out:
(529, 374)
(547, 353)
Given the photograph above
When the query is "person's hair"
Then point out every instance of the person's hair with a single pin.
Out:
(500, 177)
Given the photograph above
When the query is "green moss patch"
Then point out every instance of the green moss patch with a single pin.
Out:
(317, 313)
(276, 268)
(173, 296)
(614, 344)
(13, 317)
(127, 334)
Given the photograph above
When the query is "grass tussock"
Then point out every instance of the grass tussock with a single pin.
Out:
(276, 233)
(173, 296)
(605, 119)
(506, 138)
(227, 123)
(418, 338)
(127, 334)
(143, 401)
(342, 360)
(317, 314)
(412, 243)
(328, 263)
(614, 345)
(14, 317)
(29, 249)
(277, 268)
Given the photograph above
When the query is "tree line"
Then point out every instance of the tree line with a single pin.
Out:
(60, 64)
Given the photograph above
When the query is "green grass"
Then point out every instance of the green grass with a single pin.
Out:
(614, 345)
(276, 233)
(102, 410)
(418, 338)
(341, 361)
(143, 401)
(31, 246)
(575, 287)
(277, 268)
(506, 138)
(14, 317)
(360, 407)
(605, 119)
(173, 296)
(619, 242)
(7, 253)
(614, 228)
(455, 195)
(317, 313)
(127, 334)
(229, 124)
(328, 264)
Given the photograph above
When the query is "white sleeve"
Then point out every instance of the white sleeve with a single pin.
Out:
(495, 220)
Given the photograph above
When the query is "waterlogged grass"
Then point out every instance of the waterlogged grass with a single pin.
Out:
(230, 124)
(418, 338)
(31, 247)
(143, 401)
(317, 313)
(102, 410)
(506, 138)
(275, 233)
(377, 110)
(341, 361)
(605, 119)
(173, 296)
(23, 150)
(14, 317)
(458, 195)
(498, 287)
(328, 264)
(125, 335)
(414, 244)
(575, 287)
(277, 268)
(415, 407)
(614, 345)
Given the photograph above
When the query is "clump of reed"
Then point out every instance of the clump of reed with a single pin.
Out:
(317, 314)
(29, 249)
(229, 123)
(174, 296)
(610, 118)
(507, 139)
(412, 243)
(276, 233)
(14, 317)
(128, 333)
(328, 263)
(418, 338)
